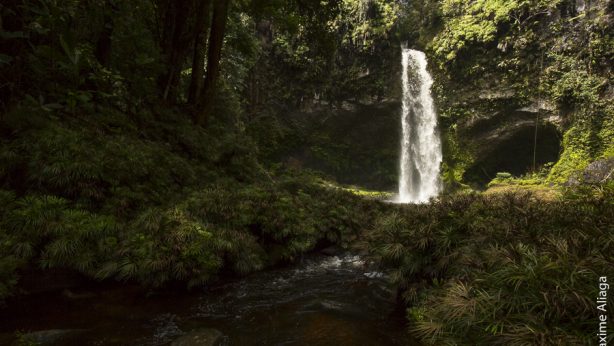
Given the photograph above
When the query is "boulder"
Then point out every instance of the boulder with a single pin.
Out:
(599, 172)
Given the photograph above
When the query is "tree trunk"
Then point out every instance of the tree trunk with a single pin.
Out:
(200, 42)
(174, 46)
(216, 39)
(103, 43)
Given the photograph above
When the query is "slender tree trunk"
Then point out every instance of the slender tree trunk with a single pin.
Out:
(216, 39)
(200, 42)
(167, 17)
(174, 46)
(103, 43)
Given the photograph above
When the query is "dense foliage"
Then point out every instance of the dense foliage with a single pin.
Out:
(117, 163)
(111, 201)
(503, 269)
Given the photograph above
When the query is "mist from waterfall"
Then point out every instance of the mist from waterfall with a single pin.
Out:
(420, 146)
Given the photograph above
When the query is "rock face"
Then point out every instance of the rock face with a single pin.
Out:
(494, 131)
(200, 337)
(505, 141)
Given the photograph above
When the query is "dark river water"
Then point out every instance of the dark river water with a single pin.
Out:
(324, 300)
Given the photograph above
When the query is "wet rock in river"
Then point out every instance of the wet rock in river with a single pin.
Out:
(48, 337)
(75, 296)
(200, 337)
(331, 251)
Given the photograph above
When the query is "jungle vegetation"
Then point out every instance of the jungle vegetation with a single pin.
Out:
(156, 142)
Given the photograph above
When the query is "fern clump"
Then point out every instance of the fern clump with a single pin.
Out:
(165, 245)
(153, 200)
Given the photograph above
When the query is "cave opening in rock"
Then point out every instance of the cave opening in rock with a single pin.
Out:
(515, 154)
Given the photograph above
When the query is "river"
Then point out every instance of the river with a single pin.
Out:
(324, 300)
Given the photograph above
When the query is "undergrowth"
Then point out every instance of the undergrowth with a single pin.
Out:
(150, 198)
(500, 269)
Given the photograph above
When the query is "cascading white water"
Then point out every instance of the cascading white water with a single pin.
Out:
(420, 145)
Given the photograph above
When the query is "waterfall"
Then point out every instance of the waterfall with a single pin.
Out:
(420, 145)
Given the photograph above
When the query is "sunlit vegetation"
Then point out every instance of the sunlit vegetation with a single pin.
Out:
(535, 183)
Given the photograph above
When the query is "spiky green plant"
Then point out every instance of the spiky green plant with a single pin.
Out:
(507, 269)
